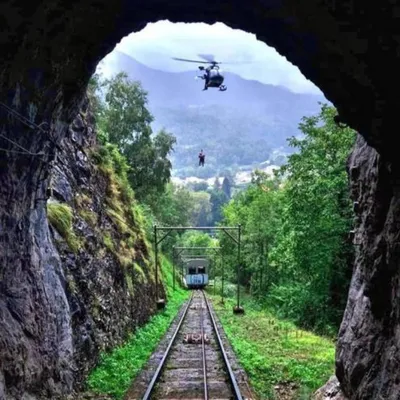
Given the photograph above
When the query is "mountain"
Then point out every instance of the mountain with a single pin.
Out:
(243, 126)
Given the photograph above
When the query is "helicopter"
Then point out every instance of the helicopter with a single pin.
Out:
(212, 74)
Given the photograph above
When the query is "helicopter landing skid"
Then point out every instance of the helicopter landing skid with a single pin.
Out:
(222, 88)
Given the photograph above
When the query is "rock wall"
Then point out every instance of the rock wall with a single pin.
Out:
(368, 350)
(110, 277)
(102, 274)
(330, 391)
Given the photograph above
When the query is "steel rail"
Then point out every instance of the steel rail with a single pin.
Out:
(232, 378)
(203, 351)
(156, 375)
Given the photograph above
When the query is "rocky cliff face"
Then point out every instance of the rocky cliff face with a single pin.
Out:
(368, 351)
(102, 270)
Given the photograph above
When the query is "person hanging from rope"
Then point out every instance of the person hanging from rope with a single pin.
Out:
(206, 76)
(202, 158)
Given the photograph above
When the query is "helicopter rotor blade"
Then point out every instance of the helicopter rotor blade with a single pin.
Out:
(186, 60)
(208, 57)
(234, 62)
(210, 60)
(238, 62)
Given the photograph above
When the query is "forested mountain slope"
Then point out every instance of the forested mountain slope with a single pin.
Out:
(241, 126)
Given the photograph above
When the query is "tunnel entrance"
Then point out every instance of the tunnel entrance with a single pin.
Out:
(50, 49)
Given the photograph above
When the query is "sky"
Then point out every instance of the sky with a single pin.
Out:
(158, 42)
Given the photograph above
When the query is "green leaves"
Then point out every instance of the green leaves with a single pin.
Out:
(295, 225)
(123, 119)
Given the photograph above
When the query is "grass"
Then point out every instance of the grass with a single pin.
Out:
(60, 217)
(275, 352)
(117, 369)
(89, 216)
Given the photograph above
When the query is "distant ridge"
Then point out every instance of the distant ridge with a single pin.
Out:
(241, 126)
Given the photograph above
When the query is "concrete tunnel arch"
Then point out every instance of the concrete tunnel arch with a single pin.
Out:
(51, 48)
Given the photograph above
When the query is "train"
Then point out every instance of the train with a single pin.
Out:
(196, 273)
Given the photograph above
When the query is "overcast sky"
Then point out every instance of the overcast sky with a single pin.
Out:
(158, 42)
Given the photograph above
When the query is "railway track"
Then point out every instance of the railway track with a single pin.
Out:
(195, 364)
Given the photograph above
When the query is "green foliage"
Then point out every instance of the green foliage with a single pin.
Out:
(139, 270)
(124, 120)
(60, 217)
(275, 352)
(117, 369)
(217, 199)
(89, 216)
(227, 187)
(295, 225)
(198, 186)
(125, 116)
(108, 241)
(196, 239)
(258, 210)
(201, 213)
(174, 206)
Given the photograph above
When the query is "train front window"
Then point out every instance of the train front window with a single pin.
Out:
(201, 270)
(192, 271)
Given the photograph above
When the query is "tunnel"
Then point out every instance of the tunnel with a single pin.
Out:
(349, 49)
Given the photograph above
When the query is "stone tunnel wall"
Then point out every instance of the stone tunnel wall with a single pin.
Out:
(49, 50)
(100, 271)
(368, 352)
(109, 277)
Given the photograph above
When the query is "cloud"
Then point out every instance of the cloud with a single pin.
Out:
(158, 42)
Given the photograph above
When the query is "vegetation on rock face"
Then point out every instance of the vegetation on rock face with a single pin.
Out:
(120, 206)
(61, 217)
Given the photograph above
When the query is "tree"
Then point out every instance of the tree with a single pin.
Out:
(150, 166)
(173, 208)
(227, 187)
(202, 208)
(318, 217)
(217, 199)
(258, 210)
(196, 239)
(216, 185)
(199, 186)
(124, 120)
(295, 227)
(96, 103)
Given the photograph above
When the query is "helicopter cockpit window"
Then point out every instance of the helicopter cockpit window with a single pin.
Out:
(213, 73)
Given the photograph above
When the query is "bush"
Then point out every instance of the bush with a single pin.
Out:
(60, 217)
